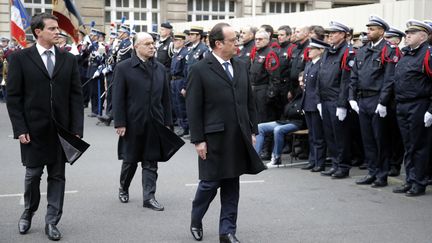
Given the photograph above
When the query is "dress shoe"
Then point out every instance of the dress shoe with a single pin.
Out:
(228, 238)
(367, 180)
(105, 120)
(317, 169)
(92, 115)
(415, 191)
(308, 167)
(197, 233)
(340, 174)
(394, 172)
(24, 223)
(403, 188)
(328, 172)
(123, 195)
(153, 204)
(379, 183)
(52, 232)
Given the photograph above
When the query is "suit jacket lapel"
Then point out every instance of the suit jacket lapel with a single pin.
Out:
(236, 70)
(59, 60)
(37, 59)
(216, 67)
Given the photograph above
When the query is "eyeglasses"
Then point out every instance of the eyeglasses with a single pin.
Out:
(259, 39)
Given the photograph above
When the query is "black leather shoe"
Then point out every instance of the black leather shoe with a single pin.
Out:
(394, 171)
(197, 233)
(340, 174)
(105, 120)
(415, 191)
(92, 115)
(24, 223)
(52, 232)
(228, 238)
(403, 188)
(328, 172)
(318, 169)
(123, 195)
(379, 183)
(308, 167)
(153, 204)
(367, 180)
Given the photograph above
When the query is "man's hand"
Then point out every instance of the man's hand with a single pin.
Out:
(381, 110)
(253, 140)
(341, 113)
(183, 92)
(121, 131)
(319, 108)
(354, 106)
(427, 119)
(24, 138)
(201, 149)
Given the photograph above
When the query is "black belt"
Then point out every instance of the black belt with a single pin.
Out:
(176, 77)
(367, 93)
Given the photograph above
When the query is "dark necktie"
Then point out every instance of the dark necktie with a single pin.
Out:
(226, 65)
(50, 64)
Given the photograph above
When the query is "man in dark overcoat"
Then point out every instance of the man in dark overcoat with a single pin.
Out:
(140, 93)
(43, 85)
(222, 117)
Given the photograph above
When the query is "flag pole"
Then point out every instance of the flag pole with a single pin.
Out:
(10, 17)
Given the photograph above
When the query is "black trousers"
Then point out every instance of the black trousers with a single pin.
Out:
(416, 139)
(376, 143)
(393, 133)
(337, 136)
(55, 190)
(149, 177)
(317, 145)
(229, 196)
(96, 89)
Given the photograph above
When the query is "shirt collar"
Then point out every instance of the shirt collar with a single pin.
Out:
(41, 49)
(220, 60)
(376, 43)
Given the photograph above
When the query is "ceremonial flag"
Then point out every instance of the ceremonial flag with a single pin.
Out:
(19, 22)
(68, 16)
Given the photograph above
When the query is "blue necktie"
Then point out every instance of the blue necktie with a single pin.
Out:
(226, 65)
(50, 64)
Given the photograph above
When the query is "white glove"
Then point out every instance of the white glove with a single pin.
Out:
(96, 74)
(381, 110)
(105, 71)
(354, 106)
(427, 119)
(319, 107)
(341, 113)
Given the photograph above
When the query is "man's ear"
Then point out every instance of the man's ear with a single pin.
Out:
(37, 31)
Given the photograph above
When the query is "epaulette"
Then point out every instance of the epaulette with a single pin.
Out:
(385, 54)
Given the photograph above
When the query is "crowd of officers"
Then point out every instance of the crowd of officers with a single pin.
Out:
(364, 100)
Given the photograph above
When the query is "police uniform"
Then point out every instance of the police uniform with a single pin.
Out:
(371, 86)
(196, 51)
(297, 61)
(164, 49)
(285, 55)
(178, 79)
(413, 89)
(317, 145)
(245, 52)
(333, 80)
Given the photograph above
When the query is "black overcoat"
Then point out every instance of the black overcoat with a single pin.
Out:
(222, 113)
(139, 89)
(29, 103)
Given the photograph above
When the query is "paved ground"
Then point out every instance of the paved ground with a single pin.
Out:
(279, 205)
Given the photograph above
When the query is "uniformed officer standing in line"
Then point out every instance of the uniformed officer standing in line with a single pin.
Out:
(413, 89)
(164, 47)
(394, 36)
(247, 41)
(317, 145)
(298, 56)
(196, 52)
(333, 80)
(178, 79)
(62, 44)
(370, 96)
(284, 39)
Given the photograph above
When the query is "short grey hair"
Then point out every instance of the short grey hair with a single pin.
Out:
(141, 36)
(263, 33)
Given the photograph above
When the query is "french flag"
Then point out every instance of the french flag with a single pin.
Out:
(69, 18)
(19, 22)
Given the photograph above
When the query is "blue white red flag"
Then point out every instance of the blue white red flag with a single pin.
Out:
(68, 16)
(20, 21)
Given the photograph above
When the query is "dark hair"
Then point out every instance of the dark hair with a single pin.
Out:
(286, 28)
(319, 31)
(216, 34)
(268, 28)
(37, 21)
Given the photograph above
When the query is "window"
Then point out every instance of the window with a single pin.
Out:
(210, 9)
(283, 7)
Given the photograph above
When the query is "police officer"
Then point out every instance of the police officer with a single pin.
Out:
(298, 56)
(284, 39)
(196, 52)
(370, 96)
(247, 41)
(317, 145)
(333, 80)
(164, 47)
(413, 89)
(178, 79)
(62, 44)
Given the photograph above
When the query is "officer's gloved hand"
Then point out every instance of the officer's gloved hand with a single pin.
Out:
(381, 110)
(341, 113)
(105, 71)
(96, 74)
(427, 119)
(319, 107)
(354, 106)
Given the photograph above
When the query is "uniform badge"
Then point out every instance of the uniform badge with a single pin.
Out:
(351, 63)
(165, 48)
(395, 58)
(247, 54)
